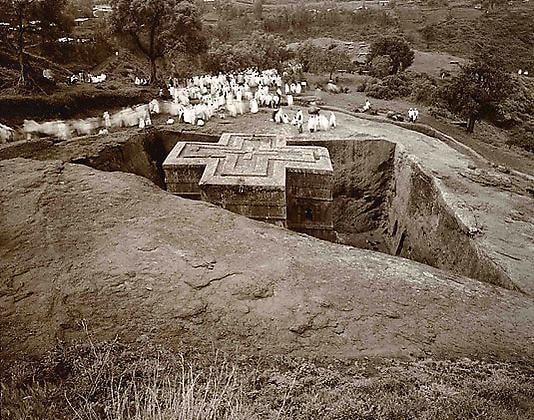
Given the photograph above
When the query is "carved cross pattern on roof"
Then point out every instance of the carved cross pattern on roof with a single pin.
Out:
(246, 159)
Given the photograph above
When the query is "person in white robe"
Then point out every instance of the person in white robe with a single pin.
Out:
(332, 119)
(107, 120)
(313, 122)
(254, 106)
(289, 100)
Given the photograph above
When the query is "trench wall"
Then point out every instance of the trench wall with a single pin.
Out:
(133, 156)
(363, 171)
(424, 228)
(378, 187)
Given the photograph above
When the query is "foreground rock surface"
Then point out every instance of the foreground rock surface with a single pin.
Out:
(113, 253)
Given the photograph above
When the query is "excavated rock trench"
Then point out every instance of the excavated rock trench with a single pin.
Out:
(383, 200)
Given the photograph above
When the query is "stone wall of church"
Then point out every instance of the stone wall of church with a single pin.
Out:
(309, 203)
(257, 202)
(184, 180)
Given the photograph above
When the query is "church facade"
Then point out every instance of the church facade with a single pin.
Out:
(260, 177)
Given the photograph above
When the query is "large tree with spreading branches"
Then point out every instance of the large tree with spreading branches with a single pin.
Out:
(261, 50)
(476, 92)
(319, 60)
(30, 23)
(396, 48)
(159, 28)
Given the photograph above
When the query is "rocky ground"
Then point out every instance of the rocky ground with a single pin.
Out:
(492, 202)
(116, 253)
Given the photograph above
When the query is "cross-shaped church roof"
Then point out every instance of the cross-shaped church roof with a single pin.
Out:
(247, 160)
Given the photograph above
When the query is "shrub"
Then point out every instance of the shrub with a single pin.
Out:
(421, 87)
(381, 66)
(362, 86)
(424, 89)
(519, 105)
(523, 136)
(379, 91)
(390, 87)
(440, 112)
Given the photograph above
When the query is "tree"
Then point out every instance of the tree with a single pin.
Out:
(29, 20)
(429, 34)
(159, 27)
(258, 50)
(261, 50)
(398, 50)
(332, 59)
(319, 60)
(268, 51)
(223, 57)
(476, 92)
(305, 55)
(381, 66)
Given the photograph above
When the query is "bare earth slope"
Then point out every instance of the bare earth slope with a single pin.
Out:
(114, 252)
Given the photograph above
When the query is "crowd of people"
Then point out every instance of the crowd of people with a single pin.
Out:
(239, 93)
(138, 115)
(229, 94)
(83, 77)
(195, 102)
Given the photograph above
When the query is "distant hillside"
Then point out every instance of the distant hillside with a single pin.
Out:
(508, 35)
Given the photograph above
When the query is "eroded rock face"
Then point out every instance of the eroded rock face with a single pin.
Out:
(114, 252)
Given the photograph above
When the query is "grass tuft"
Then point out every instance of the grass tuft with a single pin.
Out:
(110, 380)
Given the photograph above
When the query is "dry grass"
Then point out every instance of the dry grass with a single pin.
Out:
(110, 381)
(114, 381)
(171, 395)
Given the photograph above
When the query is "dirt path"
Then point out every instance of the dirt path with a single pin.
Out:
(487, 140)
